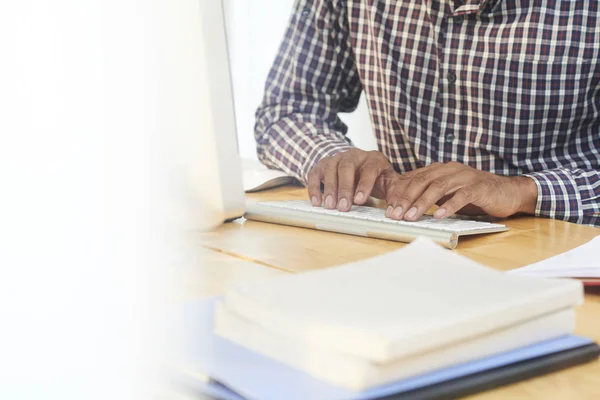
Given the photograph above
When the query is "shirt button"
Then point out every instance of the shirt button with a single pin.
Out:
(459, 20)
(449, 138)
(306, 12)
(451, 77)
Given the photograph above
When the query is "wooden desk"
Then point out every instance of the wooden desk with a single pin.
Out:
(245, 250)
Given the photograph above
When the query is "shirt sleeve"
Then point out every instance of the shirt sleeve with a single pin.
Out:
(314, 77)
(568, 194)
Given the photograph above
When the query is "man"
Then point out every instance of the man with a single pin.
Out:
(482, 106)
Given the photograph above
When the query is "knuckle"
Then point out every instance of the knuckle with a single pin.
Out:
(365, 168)
(421, 178)
(335, 159)
(347, 155)
(313, 173)
(439, 184)
(329, 182)
(368, 169)
(325, 164)
(377, 157)
(405, 198)
(346, 185)
(346, 164)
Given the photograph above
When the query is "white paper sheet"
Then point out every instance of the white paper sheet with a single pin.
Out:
(581, 262)
(259, 177)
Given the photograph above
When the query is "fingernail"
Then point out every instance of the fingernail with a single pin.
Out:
(388, 212)
(359, 197)
(329, 202)
(343, 205)
(315, 202)
(439, 213)
(397, 213)
(411, 213)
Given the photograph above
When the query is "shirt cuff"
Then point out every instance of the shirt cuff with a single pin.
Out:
(558, 195)
(325, 149)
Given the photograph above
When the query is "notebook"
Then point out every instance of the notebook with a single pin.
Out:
(237, 373)
(416, 299)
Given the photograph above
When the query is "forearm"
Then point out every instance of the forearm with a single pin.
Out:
(313, 79)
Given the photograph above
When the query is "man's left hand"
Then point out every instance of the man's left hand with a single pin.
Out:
(455, 187)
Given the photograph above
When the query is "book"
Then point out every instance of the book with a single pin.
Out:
(408, 302)
(356, 373)
(205, 363)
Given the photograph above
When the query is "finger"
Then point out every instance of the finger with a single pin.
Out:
(346, 175)
(389, 186)
(403, 201)
(314, 178)
(461, 198)
(394, 190)
(435, 191)
(445, 179)
(367, 176)
(330, 182)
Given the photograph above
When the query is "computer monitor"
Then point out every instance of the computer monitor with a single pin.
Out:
(197, 104)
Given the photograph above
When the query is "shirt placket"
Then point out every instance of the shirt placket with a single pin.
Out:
(454, 44)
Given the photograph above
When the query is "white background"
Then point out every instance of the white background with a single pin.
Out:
(255, 29)
(82, 240)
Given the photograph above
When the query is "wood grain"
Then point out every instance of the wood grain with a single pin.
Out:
(212, 273)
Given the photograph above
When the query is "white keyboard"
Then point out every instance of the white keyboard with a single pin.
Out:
(367, 221)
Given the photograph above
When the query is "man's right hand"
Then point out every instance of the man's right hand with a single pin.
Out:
(349, 178)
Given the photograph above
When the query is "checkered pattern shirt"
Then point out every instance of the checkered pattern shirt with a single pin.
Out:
(506, 86)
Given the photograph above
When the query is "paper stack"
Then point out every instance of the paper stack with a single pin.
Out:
(405, 313)
(581, 263)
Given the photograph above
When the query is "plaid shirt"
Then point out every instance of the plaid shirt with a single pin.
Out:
(506, 86)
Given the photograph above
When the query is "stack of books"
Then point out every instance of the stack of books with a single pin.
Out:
(395, 317)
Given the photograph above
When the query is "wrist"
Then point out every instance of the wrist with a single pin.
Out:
(528, 194)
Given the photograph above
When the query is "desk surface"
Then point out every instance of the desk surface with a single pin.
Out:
(244, 250)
